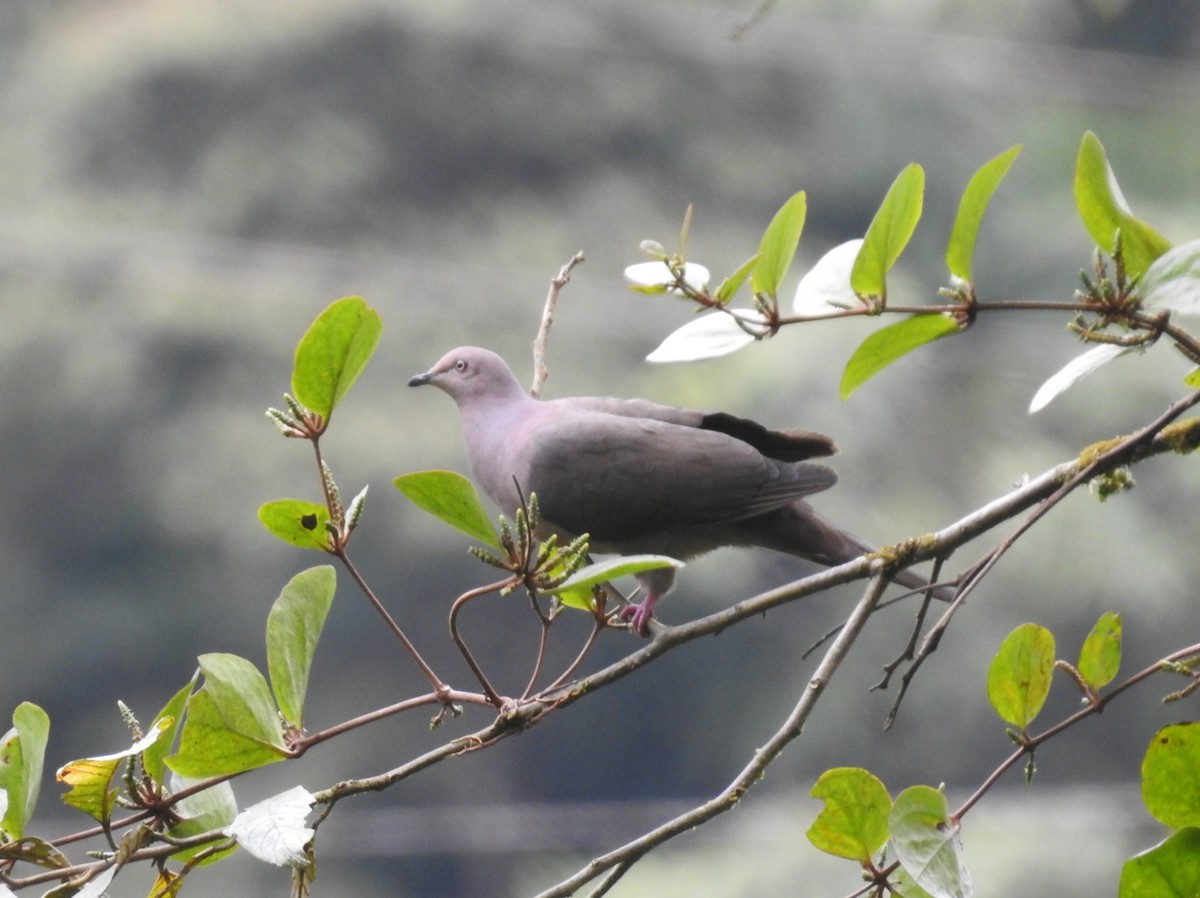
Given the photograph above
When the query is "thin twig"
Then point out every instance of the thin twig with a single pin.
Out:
(543, 639)
(620, 860)
(540, 373)
(435, 681)
(574, 665)
(1056, 485)
(1093, 707)
(1179, 437)
(491, 693)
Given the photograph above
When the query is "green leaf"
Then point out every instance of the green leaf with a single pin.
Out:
(1170, 869)
(889, 232)
(333, 352)
(1100, 656)
(90, 778)
(733, 283)
(1018, 678)
(576, 590)
(778, 245)
(854, 822)
(1104, 211)
(1171, 775)
(208, 746)
(926, 842)
(241, 696)
(451, 498)
(293, 627)
(231, 723)
(1192, 379)
(960, 251)
(204, 811)
(889, 343)
(22, 753)
(297, 522)
(173, 711)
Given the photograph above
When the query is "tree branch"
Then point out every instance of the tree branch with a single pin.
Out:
(540, 373)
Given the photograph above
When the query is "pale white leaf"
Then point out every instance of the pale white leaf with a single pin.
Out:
(96, 886)
(209, 808)
(274, 830)
(1074, 371)
(6, 892)
(658, 274)
(706, 337)
(137, 748)
(826, 286)
(1172, 281)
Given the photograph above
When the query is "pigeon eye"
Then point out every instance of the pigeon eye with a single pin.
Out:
(460, 366)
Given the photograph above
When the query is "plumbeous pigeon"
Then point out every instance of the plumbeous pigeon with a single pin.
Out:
(640, 477)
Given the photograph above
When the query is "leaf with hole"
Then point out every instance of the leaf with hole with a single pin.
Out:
(297, 522)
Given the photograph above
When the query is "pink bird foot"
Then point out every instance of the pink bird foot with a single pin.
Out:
(638, 614)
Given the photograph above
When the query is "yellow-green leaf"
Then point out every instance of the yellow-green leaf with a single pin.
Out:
(294, 624)
(1018, 679)
(451, 498)
(1100, 656)
(1171, 775)
(733, 283)
(297, 522)
(576, 590)
(22, 752)
(208, 746)
(854, 822)
(960, 250)
(173, 712)
(90, 778)
(333, 352)
(1104, 211)
(889, 343)
(1168, 870)
(778, 246)
(889, 232)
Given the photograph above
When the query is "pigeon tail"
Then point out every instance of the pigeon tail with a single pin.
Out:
(798, 529)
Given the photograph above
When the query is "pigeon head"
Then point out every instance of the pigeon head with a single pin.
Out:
(470, 374)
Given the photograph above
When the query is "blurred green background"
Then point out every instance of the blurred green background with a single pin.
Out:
(183, 187)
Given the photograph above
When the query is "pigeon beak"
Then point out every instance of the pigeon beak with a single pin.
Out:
(420, 379)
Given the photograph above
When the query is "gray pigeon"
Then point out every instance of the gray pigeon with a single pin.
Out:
(640, 477)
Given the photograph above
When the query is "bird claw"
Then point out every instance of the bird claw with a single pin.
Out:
(638, 614)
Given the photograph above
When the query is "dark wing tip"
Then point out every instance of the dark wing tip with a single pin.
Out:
(784, 445)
